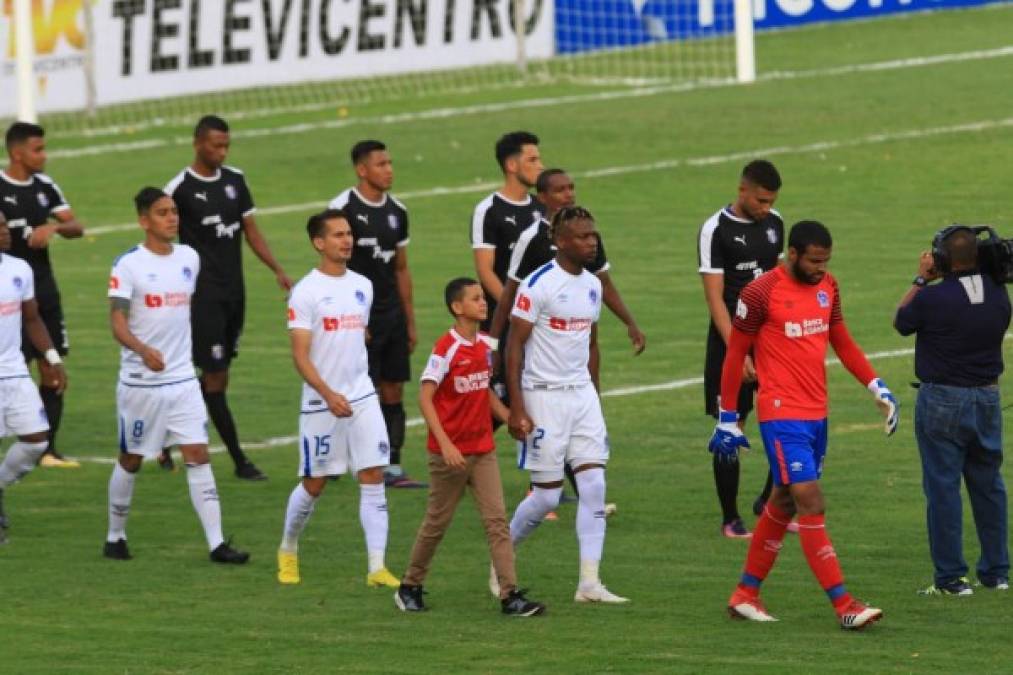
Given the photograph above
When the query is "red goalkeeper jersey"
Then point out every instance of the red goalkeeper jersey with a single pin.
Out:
(791, 321)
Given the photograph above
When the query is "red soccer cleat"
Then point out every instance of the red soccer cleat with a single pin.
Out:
(745, 606)
(858, 615)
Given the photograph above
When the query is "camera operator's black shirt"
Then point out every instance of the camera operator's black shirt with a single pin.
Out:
(960, 324)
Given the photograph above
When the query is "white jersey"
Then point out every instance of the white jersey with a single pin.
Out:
(563, 308)
(17, 286)
(336, 310)
(159, 288)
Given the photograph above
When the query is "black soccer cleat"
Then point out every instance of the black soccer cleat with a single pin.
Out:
(165, 461)
(516, 604)
(116, 550)
(409, 598)
(227, 555)
(247, 471)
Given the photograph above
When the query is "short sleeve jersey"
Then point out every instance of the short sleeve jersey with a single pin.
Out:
(336, 311)
(498, 222)
(534, 248)
(17, 286)
(159, 288)
(740, 249)
(791, 321)
(379, 230)
(563, 308)
(211, 212)
(461, 371)
(26, 205)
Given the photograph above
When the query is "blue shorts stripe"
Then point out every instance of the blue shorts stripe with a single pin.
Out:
(123, 434)
(523, 454)
(306, 457)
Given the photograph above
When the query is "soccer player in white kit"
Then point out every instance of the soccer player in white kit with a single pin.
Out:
(158, 399)
(341, 427)
(552, 377)
(21, 411)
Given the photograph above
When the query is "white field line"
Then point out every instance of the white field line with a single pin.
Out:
(661, 164)
(544, 102)
(623, 391)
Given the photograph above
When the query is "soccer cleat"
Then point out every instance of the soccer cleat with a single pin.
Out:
(597, 593)
(402, 481)
(736, 529)
(409, 598)
(227, 555)
(995, 583)
(247, 471)
(493, 582)
(959, 586)
(515, 604)
(858, 615)
(382, 577)
(288, 567)
(54, 460)
(165, 461)
(610, 509)
(116, 550)
(743, 606)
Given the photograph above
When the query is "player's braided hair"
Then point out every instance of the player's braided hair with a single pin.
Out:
(567, 215)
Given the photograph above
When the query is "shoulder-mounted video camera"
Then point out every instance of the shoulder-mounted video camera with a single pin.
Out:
(995, 254)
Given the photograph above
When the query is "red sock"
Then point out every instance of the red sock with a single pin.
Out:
(763, 548)
(822, 558)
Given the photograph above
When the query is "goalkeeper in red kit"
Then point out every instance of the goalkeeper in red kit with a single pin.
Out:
(787, 317)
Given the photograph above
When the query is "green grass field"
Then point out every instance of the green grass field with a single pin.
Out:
(883, 156)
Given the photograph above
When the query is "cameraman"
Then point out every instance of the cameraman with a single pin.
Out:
(960, 323)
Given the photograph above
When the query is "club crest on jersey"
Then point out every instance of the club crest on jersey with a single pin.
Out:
(187, 273)
(17, 282)
(823, 299)
(392, 221)
(592, 296)
(230, 191)
(434, 363)
(43, 199)
(771, 235)
(360, 297)
(383, 447)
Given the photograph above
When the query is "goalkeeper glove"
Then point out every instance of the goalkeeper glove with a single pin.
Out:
(727, 437)
(887, 402)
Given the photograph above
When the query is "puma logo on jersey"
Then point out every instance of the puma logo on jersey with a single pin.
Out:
(11, 199)
(203, 196)
(741, 239)
(510, 219)
(363, 217)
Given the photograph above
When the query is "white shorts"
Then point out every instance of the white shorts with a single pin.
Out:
(569, 427)
(21, 409)
(331, 446)
(156, 417)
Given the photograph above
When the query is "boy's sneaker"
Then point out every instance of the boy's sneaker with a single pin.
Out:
(744, 606)
(959, 586)
(995, 583)
(515, 604)
(227, 555)
(736, 529)
(409, 598)
(858, 615)
(116, 550)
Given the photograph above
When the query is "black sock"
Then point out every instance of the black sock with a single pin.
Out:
(767, 487)
(221, 417)
(568, 470)
(52, 402)
(394, 418)
(726, 478)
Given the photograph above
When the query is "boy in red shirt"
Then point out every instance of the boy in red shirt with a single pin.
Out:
(458, 405)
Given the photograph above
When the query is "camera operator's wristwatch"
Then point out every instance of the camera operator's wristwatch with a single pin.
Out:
(920, 281)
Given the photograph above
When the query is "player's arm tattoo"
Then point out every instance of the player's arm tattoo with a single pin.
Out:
(120, 305)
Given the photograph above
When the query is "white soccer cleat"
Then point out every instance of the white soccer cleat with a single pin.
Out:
(598, 593)
(493, 582)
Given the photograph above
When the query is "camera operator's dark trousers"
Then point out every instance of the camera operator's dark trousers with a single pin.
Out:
(959, 432)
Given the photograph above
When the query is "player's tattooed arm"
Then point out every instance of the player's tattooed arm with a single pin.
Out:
(119, 313)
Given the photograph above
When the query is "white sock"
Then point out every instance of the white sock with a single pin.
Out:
(121, 492)
(20, 459)
(300, 508)
(531, 511)
(590, 522)
(204, 496)
(373, 516)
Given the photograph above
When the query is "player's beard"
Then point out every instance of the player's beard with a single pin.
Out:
(801, 275)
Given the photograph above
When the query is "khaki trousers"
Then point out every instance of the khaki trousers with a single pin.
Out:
(446, 489)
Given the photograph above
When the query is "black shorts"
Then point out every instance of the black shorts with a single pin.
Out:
(389, 358)
(52, 316)
(216, 327)
(712, 378)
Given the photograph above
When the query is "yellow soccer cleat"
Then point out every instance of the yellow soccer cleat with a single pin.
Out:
(288, 568)
(53, 461)
(382, 577)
